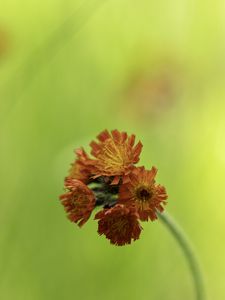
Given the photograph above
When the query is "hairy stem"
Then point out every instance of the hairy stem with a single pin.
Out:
(186, 247)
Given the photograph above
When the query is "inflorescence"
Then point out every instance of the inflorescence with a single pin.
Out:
(109, 179)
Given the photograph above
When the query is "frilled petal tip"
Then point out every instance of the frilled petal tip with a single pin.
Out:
(115, 153)
(119, 224)
(78, 201)
(142, 191)
(83, 166)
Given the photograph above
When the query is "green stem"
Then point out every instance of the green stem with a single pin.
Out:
(185, 245)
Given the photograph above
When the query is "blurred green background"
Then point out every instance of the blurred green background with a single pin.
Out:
(69, 69)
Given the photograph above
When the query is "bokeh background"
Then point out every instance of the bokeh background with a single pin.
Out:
(69, 69)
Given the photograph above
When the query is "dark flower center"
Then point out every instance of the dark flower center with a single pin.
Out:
(144, 194)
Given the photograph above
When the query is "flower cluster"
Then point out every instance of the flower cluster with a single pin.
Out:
(109, 179)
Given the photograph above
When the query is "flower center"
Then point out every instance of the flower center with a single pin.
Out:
(144, 194)
(114, 158)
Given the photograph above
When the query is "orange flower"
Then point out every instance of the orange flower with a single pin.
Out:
(79, 201)
(142, 192)
(82, 167)
(119, 224)
(115, 154)
(109, 179)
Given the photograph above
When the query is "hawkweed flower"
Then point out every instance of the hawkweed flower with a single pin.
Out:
(115, 154)
(144, 193)
(81, 168)
(108, 179)
(78, 201)
(119, 224)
